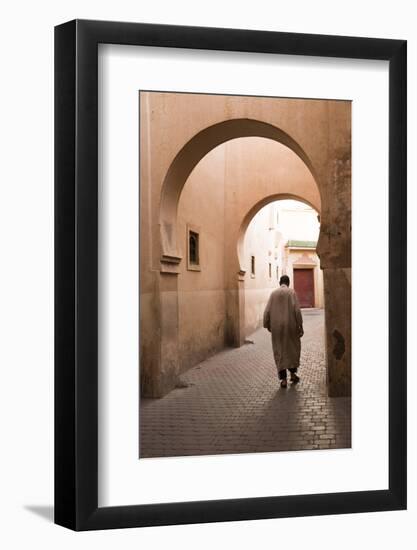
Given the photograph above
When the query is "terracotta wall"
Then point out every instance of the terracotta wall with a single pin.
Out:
(201, 297)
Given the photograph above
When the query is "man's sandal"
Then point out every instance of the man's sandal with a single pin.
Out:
(283, 384)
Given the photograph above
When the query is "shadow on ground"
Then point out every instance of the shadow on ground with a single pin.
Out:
(45, 512)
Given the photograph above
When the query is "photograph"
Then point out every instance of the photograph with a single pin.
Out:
(208, 236)
(245, 274)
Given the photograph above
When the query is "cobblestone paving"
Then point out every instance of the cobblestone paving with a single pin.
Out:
(233, 404)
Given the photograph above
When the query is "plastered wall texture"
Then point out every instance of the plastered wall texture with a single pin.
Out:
(293, 149)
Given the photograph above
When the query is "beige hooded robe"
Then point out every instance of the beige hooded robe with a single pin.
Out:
(282, 317)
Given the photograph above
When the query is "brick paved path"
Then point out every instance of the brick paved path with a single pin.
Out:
(233, 404)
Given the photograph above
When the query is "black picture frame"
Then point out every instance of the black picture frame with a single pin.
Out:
(76, 272)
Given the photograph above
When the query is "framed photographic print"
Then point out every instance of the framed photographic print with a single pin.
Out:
(230, 248)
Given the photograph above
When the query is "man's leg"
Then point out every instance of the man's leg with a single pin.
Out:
(282, 375)
(294, 378)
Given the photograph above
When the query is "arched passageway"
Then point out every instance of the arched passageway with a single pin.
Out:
(259, 206)
(236, 178)
(245, 192)
(280, 238)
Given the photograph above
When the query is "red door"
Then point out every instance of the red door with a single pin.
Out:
(304, 286)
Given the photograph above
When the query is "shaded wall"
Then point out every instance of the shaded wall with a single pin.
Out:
(201, 296)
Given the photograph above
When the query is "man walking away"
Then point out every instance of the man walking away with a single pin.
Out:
(282, 317)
